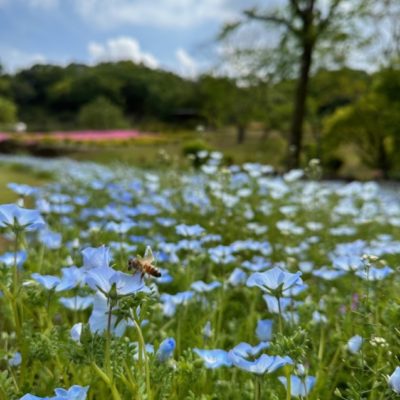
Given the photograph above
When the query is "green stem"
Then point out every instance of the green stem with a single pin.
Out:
(280, 316)
(107, 360)
(257, 387)
(108, 381)
(142, 349)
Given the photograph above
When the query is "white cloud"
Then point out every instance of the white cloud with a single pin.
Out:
(121, 48)
(187, 65)
(13, 59)
(160, 13)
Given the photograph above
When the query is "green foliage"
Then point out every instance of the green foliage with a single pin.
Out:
(101, 113)
(8, 111)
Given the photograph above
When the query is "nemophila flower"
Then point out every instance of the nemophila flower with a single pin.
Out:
(47, 281)
(319, 318)
(264, 329)
(237, 277)
(246, 350)
(120, 228)
(215, 358)
(94, 257)
(276, 305)
(394, 380)
(76, 303)
(73, 393)
(207, 331)
(22, 189)
(98, 320)
(328, 274)
(275, 281)
(8, 259)
(354, 344)
(221, 254)
(374, 274)
(299, 386)
(202, 287)
(50, 239)
(15, 360)
(76, 332)
(264, 364)
(166, 349)
(170, 302)
(106, 279)
(256, 264)
(15, 217)
(72, 277)
(189, 230)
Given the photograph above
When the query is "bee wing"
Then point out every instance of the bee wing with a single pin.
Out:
(148, 255)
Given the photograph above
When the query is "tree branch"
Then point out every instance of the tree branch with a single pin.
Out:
(252, 14)
(324, 22)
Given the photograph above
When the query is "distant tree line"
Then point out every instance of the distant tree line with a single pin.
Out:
(344, 106)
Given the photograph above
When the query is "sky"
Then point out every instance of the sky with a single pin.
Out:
(177, 35)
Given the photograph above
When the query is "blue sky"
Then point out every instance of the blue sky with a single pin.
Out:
(178, 35)
(172, 34)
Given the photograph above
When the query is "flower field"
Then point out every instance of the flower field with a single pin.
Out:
(220, 283)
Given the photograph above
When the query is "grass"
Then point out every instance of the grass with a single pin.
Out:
(19, 174)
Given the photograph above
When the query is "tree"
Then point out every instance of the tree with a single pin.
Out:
(8, 111)
(102, 114)
(368, 124)
(306, 24)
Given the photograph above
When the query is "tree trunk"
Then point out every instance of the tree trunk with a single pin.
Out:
(383, 162)
(241, 134)
(296, 134)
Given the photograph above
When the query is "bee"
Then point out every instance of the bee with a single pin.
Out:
(144, 264)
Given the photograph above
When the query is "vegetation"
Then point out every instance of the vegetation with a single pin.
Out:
(282, 279)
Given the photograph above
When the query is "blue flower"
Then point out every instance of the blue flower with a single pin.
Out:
(299, 387)
(374, 274)
(354, 344)
(72, 277)
(170, 302)
(262, 365)
(189, 230)
(264, 329)
(8, 258)
(166, 349)
(94, 257)
(15, 360)
(273, 303)
(22, 189)
(201, 287)
(275, 281)
(73, 393)
(98, 320)
(76, 303)
(76, 332)
(47, 281)
(207, 331)
(394, 380)
(214, 358)
(246, 350)
(237, 277)
(50, 239)
(16, 217)
(106, 279)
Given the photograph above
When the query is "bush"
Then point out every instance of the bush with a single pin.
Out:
(102, 114)
(192, 149)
